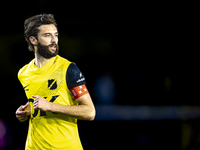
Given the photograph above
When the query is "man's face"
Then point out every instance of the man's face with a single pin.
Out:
(47, 41)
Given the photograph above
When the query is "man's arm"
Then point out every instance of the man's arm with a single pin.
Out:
(75, 80)
(85, 109)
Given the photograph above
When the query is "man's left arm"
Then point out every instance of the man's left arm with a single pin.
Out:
(85, 109)
(76, 84)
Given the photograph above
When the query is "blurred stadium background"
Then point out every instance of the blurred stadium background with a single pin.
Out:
(139, 69)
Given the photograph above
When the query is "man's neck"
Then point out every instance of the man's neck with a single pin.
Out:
(40, 61)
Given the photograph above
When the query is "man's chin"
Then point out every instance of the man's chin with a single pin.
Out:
(47, 51)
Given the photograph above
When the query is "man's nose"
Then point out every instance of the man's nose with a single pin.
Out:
(54, 39)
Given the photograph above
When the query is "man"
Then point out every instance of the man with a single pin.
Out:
(55, 88)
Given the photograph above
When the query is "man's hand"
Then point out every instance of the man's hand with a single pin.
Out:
(41, 103)
(22, 112)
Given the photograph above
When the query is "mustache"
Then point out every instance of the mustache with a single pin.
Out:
(53, 44)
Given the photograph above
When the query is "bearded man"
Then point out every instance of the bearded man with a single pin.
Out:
(55, 89)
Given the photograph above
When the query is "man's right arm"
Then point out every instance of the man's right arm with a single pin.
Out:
(23, 112)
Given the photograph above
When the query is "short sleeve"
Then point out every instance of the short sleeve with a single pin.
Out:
(74, 76)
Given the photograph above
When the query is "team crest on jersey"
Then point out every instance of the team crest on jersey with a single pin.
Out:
(52, 84)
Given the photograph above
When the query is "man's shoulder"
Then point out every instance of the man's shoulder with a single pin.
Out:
(24, 68)
(62, 59)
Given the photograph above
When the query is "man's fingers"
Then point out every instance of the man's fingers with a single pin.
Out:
(21, 112)
(25, 106)
(35, 96)
(20, 108)
(35, 101)
(22, 119)
(21, 116)
(35, 105)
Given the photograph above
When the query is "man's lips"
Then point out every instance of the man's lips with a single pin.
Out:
(53, 47)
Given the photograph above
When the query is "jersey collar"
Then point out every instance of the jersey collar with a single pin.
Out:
(44, 68)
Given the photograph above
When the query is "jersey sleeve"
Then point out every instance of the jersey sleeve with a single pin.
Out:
(76, 81)
(74, 77)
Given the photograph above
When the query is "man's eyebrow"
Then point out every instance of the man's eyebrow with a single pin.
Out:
(49, 33)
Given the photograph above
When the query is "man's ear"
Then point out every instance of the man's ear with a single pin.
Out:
(33, 40)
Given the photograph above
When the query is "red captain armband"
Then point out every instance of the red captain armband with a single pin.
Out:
(79, 91)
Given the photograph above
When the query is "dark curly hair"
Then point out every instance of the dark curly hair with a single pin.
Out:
(32, 24)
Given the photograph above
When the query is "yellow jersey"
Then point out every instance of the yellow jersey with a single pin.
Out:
(49, 130)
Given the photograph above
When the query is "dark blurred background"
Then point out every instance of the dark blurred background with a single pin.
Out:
(139, 64)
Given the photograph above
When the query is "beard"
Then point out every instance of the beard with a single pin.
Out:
(45, 51)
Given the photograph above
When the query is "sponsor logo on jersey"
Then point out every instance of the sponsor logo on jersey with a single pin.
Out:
(82, 79)
(26, 87)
